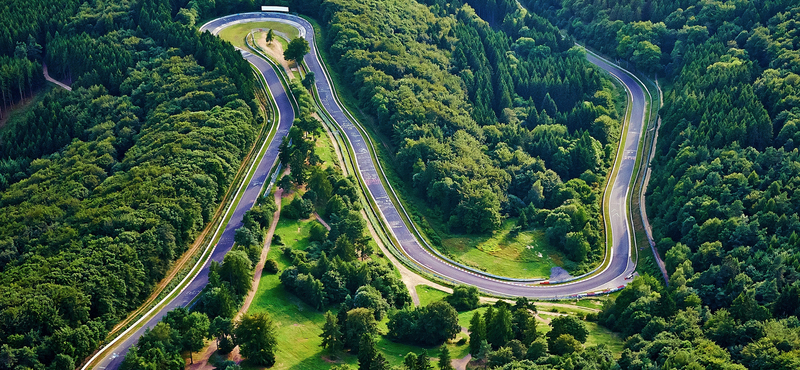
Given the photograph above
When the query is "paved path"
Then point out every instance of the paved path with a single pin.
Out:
(317, 216)
(200, 359)
(611, 277)
(619, 264)
(111, 356)
(53, 80)
(461, 363)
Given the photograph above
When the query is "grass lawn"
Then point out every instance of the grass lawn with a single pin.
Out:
(466, 316)
(525, 255)
(299, 325)
(590, 303)
(601, 335)
(428, 295)
(235, 34)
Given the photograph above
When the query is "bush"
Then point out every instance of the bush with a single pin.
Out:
(464, 298)
(298, 209)
(270, 266)
(318, 232)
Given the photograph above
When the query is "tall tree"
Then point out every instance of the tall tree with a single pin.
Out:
(255, 334)
(366, 352)
(296, 50)
(477, 333)
(444, 359)
(237, 269)
(498, 331)
(332, 337)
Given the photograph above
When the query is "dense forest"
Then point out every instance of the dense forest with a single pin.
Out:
(103, 187)
(722, 200)
(488, 123)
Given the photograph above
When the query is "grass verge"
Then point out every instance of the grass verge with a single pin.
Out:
(192, 261)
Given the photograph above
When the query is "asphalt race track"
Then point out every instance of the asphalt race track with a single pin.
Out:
(612, 276)
(113, 359)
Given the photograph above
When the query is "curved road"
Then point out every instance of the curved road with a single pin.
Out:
(612, 276)
(111, 356)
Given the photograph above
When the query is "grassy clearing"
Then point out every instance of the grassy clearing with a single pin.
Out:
(294, 233)
(600, 335)
(428, 295)
(299, 325)
(466, 316)
(590, 303)
(524, 255)
(235, 34)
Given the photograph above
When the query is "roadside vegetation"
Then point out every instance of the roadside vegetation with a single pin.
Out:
(722, 198)
(105, 186)
(501, 160)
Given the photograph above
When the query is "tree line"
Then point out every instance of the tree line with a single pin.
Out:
(103, 187)
(213, 314)
(487, 123)
(722, 199)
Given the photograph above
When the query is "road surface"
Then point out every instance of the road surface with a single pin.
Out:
(612, 276)
(112, 355)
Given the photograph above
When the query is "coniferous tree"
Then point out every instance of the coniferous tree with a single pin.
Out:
(444, 359)
(366, 352)
(498, 331)
(332, 337)
(477, 333)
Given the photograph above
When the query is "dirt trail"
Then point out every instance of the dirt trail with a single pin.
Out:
(316, 215)
(461, 363)
(546, 320)
(53, 80)
(275, 50)
(201, 358)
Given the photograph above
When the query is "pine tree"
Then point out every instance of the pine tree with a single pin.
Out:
(488, 315)
(477, 333)
(444, 359)
(423, 362)
(331, 333)
(522, 222)
(366, 352)
(530, 334)
(379, 363)
(270, 36)
(484, 350)
(498, 330)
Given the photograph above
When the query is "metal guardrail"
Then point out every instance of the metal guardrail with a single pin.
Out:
(395, 250)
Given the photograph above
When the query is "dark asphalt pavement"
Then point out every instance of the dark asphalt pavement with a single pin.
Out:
(113, 359)
(610, 278)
